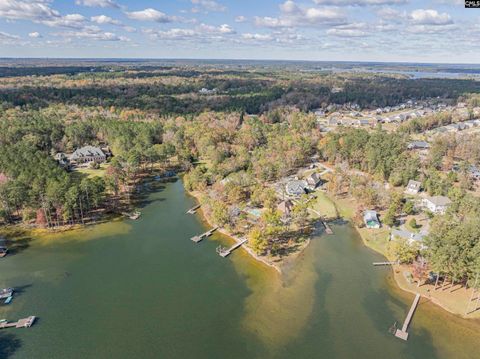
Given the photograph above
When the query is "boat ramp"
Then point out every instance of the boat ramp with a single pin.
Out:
(200, 237)
(21, 323)
(402, 333)
(225, 252)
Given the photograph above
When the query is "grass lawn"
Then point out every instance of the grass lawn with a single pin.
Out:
(324, 205)
(90, 172)
(377, 239)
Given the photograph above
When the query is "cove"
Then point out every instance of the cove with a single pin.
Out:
(142, 289)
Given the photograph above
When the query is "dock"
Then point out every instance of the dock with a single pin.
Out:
(21, 323)
(328, 230)
(193, 209)
(200, 237)
(225, 252)
(384, 263)
(402, 333)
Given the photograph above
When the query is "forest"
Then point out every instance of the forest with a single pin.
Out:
(251, 128)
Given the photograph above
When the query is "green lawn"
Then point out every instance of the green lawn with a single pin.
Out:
(324, 205)
(90, 172)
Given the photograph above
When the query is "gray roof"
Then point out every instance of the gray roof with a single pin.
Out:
(370, 216)
(408, 235)
(439, 200)
(418, 144)
(87, 151)
(414, 185)
(296, 187)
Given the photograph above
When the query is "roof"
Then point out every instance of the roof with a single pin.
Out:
(439, 200)
(408, 235)
(414, 185)
(418, 144)
(296, 186)
(87, 151)
(370, 216)
(285, 206)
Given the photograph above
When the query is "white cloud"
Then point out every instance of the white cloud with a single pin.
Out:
(222, 29)
(150, 15)
(349, 30)
(7, 36)
(240, 18)
(202, 31)
(92, 33)
(172, 34)
(293, 15)
(97, 3)
(208, 5)
(388, 13)
(35, 35)
(259, 37)
(360, 2)
(103, 19)
(430, 17)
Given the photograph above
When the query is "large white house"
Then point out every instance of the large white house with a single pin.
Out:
(436, 204)
(88, 154)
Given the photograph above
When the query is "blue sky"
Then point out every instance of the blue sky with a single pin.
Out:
(356, 30)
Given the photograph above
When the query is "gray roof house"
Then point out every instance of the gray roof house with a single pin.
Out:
(296, 187)
(410, 237)
(413, 187)
(436, 204)
(371, 219)
(418, 145)
(88, 154)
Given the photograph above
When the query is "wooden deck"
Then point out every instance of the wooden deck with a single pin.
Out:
(199, 238)
(225, 252)
(402, 333)
(21, 323)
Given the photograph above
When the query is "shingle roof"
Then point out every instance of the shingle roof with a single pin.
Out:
(87, 151)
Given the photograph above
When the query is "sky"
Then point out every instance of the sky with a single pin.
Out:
(441, 31)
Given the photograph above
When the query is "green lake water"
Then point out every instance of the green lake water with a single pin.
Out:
(142, 289)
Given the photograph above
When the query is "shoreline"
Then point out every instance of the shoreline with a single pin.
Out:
(277, 266)
(397, 270)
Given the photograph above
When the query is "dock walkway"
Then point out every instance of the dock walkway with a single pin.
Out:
(193, 209)
(21, 323)
(402, 333)
(384, 263)
(200, 237)
(225, 252)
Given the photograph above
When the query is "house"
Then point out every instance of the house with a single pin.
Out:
(285, 207)
(88, 154)
(436, 204)
(296, 187)
(313, 181)
(413, 187)
(62, 159)
(371, 219)
(474, 172)
(410, 237)
(418, 145)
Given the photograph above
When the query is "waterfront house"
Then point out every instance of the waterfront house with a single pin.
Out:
(413, 187)
(88, 154)
(371, 219)
(410, 237)
(436, 204)
(296, 187)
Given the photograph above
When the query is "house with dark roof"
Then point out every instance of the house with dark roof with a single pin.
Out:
(296, 187)
(88, 154)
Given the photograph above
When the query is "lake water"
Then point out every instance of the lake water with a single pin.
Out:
(142, 289)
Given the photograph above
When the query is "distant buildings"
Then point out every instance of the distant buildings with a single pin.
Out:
(436, 204)
(370, 218)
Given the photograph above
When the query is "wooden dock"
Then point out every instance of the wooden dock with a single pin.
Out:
(22, 323)
(328, 230)
(193, 209)
(200, 237)
(402, 333)
(384, 263)
(225, 252)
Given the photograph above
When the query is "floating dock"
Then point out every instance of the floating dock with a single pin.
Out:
(200, 237)
(193, 209)
(402, 333)
(225, 252)
(22, 323)
(384, 263)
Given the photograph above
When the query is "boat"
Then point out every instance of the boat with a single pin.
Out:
(6, 292)
(133, 215)
(8, 300)
(3, 251)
